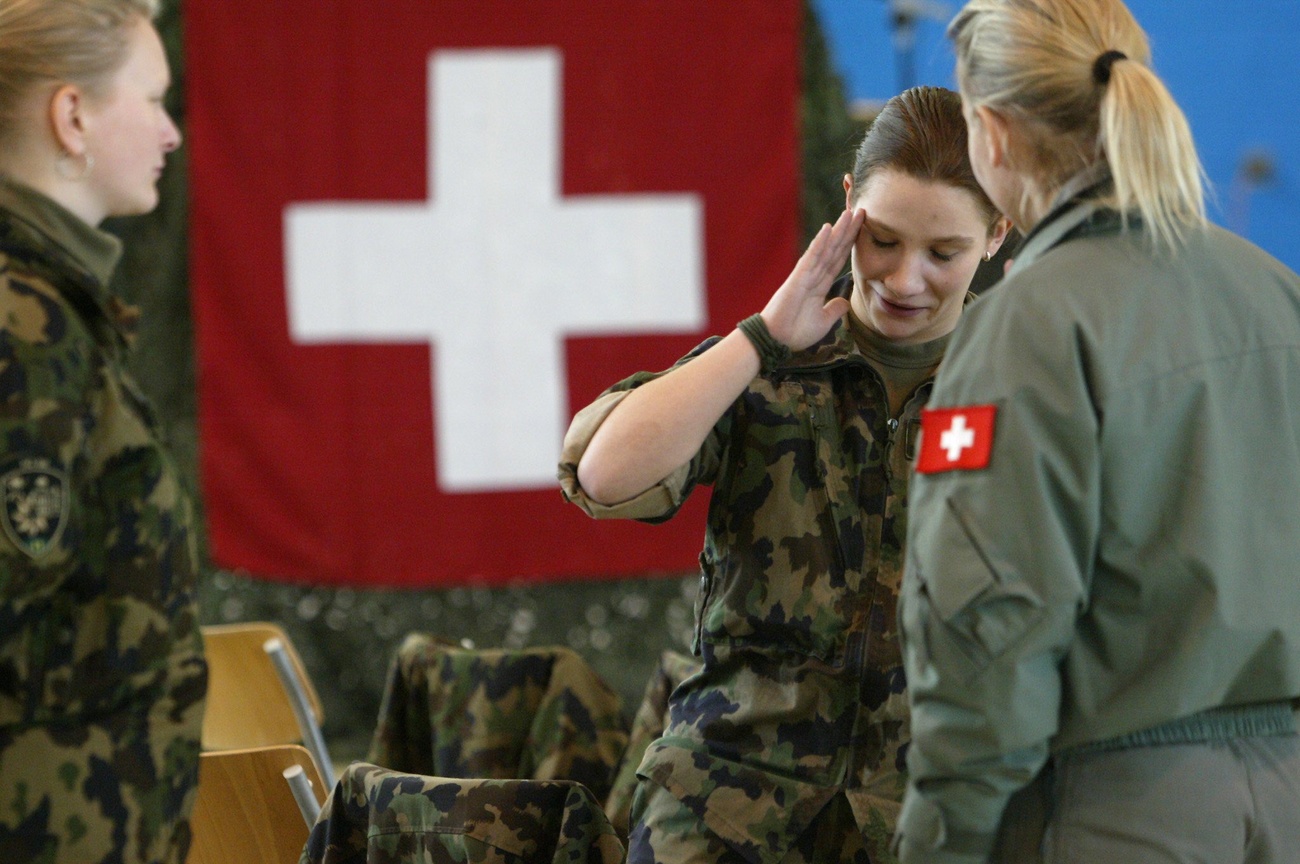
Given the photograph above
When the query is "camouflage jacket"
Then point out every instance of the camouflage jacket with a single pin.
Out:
(101, 670)
(802, 693)
(377, 816)
(533, 713)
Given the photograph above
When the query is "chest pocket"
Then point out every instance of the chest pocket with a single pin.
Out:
(789, 562)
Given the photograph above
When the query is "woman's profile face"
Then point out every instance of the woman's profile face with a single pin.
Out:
(128, 131)
(916, 255)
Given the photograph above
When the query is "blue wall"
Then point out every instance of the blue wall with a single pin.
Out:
(1233, 67)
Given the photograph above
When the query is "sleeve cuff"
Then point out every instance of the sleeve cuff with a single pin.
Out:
(661, 499)
(925, 836)
(771, 353)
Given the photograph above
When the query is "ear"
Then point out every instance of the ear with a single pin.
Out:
(848, 192)
(67, 121)
(996, 132)
(998, 235)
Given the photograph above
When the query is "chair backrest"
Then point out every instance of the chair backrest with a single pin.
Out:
(246, 812)
(250, 703)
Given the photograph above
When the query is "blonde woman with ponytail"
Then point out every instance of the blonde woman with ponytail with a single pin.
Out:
(1100, 611)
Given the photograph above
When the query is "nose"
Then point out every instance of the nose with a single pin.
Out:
(905, 279)
(171, 134)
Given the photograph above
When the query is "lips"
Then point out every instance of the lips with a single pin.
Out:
(898, 309)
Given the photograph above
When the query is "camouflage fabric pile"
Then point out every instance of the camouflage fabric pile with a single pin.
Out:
(538, 713)
(378, 816)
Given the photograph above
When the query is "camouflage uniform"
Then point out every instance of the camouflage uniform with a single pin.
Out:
(801, 703)
(376, 816)
(533, 713)
(647, 726)
(102, 676)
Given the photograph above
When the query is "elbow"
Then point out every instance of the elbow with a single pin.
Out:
(597, 481)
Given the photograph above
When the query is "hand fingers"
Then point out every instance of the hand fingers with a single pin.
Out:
(836, 307)
(825, 255)
(842, 237)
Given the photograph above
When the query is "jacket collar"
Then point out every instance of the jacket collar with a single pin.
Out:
(1078, 199)
(89, 253)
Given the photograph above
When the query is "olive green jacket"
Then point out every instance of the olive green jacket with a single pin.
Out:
(1130, 555)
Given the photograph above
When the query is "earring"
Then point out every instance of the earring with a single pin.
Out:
(988, 256)
(65, 160)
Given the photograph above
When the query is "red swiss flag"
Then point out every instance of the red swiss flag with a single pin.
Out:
(424, 234)
(956, 439)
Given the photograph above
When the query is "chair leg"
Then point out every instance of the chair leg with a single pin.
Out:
(311, 734)
(302, 793)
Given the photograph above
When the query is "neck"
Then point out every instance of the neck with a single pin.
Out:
(41, 173)
(1049, 197)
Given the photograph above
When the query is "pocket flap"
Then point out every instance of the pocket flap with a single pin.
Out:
(758, 814)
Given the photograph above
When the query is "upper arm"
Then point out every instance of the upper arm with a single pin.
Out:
(45, 377)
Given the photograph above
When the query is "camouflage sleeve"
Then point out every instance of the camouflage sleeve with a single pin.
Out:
(661, 500)
(42, 439)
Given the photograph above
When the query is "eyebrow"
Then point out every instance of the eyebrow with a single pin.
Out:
(956, 238)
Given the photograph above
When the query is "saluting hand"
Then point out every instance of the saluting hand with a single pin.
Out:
(799, 314)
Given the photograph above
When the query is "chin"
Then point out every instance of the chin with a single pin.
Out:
(136, 208)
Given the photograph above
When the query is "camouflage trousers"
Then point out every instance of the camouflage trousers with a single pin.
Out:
(114, 791)
(666, 831)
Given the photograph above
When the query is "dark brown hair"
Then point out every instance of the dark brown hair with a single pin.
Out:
(921, 133)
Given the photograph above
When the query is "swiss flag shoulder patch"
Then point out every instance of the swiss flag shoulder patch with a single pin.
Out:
(956, 439)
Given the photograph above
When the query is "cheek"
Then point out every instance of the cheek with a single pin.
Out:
(951, 283)
(868, 261)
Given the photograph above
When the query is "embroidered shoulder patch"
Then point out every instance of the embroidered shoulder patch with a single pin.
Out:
(956, 439)
(35, 508)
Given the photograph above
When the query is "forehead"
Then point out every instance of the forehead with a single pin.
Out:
(922, 208)
(145, 62)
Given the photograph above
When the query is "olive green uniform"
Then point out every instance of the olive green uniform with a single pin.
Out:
(102, 676)
(1124, 571)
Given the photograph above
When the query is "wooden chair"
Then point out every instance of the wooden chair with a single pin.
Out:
(259, 694)
(247, 810)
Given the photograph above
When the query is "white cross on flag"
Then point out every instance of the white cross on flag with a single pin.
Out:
(956, 439)
(424, 234)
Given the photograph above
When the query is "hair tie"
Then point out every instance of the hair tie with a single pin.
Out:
(1101, 68)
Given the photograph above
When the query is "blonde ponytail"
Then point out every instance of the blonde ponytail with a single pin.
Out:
(1075, 77)
(1148, 145)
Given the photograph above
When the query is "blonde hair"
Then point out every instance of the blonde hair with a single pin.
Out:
(61, 41)
(1037, 62)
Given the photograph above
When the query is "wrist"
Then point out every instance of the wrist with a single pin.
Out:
(771, 353)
